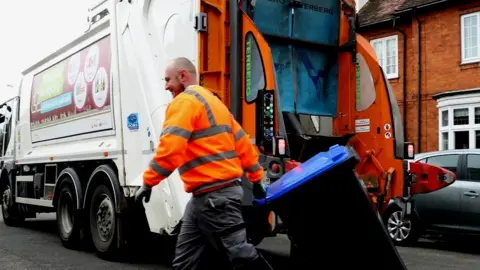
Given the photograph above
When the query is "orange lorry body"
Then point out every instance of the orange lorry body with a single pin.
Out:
(380, 168)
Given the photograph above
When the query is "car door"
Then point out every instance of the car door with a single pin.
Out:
(469, 211)
(440, 208)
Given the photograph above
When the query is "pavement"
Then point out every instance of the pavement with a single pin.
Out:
(36, 246)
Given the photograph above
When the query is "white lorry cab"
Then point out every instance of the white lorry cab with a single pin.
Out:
(86, 123)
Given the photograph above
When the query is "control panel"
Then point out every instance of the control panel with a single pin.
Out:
(266, 120)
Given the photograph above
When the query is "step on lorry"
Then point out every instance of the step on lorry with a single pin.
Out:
(87, 118)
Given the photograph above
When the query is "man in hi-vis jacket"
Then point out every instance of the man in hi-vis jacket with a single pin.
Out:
(211, 151)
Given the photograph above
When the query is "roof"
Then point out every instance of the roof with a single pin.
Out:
(456, 93)
(377, 11)
(409, 4)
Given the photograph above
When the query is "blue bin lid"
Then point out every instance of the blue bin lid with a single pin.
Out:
(310, 169)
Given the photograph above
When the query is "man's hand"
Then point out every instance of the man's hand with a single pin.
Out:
(143, 192)
(258, 191)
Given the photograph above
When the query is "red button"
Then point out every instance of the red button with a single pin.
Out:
(275, 168)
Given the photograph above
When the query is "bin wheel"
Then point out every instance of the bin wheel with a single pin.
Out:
(401, 231)
(10, 213)
(68, 218)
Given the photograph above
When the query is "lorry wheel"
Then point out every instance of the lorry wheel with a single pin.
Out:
(11, 215)
(103, 223)
(69, 223)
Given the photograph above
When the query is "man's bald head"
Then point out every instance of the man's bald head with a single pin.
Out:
(179, 74)
(182, 63)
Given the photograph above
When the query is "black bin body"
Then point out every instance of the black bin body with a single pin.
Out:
(329, 216)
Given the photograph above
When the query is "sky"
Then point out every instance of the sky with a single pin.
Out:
(32, 29)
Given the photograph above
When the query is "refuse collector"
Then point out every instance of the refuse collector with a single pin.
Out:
(212, 152)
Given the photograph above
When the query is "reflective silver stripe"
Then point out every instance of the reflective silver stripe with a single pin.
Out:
(239, 134)
(159, 169)
(177, 131)
(211, 119)
(203, 133)
(253, 168)
(206, 159)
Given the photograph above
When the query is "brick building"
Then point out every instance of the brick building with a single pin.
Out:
(430, 51)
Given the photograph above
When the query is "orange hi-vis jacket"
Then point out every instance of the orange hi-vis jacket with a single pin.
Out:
(204, 142)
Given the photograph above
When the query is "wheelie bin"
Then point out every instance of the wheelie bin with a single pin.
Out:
(331, 222)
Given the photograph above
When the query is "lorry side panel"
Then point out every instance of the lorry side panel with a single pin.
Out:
(39, 144)
(146, 42)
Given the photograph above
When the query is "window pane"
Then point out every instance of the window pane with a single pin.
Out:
(462, 139)
(444, 118)
(470, 29)
(377, 46)
(477, 115)
(449, 162)
(365, 91)
(473, 167)
(460, 116)
(254, 70)
(445, 141)
(391, 54)
(477, 139)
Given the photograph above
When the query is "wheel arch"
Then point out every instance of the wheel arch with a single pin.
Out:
(111, 179)
(399, 203)
(6, 178)
(75, 180)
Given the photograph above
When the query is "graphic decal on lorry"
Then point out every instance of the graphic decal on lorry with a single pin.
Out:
(132, 122)
(74, 89)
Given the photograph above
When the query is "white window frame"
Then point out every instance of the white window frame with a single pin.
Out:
(470, 101)
(462, 37)
(383, 42)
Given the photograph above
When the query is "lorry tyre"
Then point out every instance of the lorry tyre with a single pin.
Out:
(10, 213)
(104, 223)
(69, 222)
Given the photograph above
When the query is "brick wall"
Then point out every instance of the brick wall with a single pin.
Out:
(440, 65)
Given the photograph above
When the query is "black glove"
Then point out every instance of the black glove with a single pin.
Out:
(143, 192)
(258, 191)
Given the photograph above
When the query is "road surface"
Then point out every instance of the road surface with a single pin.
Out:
(36, 246)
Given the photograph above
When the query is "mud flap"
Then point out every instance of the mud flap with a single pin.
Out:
(329, 217)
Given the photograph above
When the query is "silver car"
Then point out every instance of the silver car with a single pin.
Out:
(454, 209)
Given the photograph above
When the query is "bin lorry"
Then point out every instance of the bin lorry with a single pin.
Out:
(87, 118)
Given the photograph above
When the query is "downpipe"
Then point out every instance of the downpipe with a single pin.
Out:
(419, 81)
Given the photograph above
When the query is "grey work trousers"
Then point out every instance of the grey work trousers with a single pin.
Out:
(212, 234)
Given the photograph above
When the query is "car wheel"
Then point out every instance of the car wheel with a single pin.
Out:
(400, 230)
